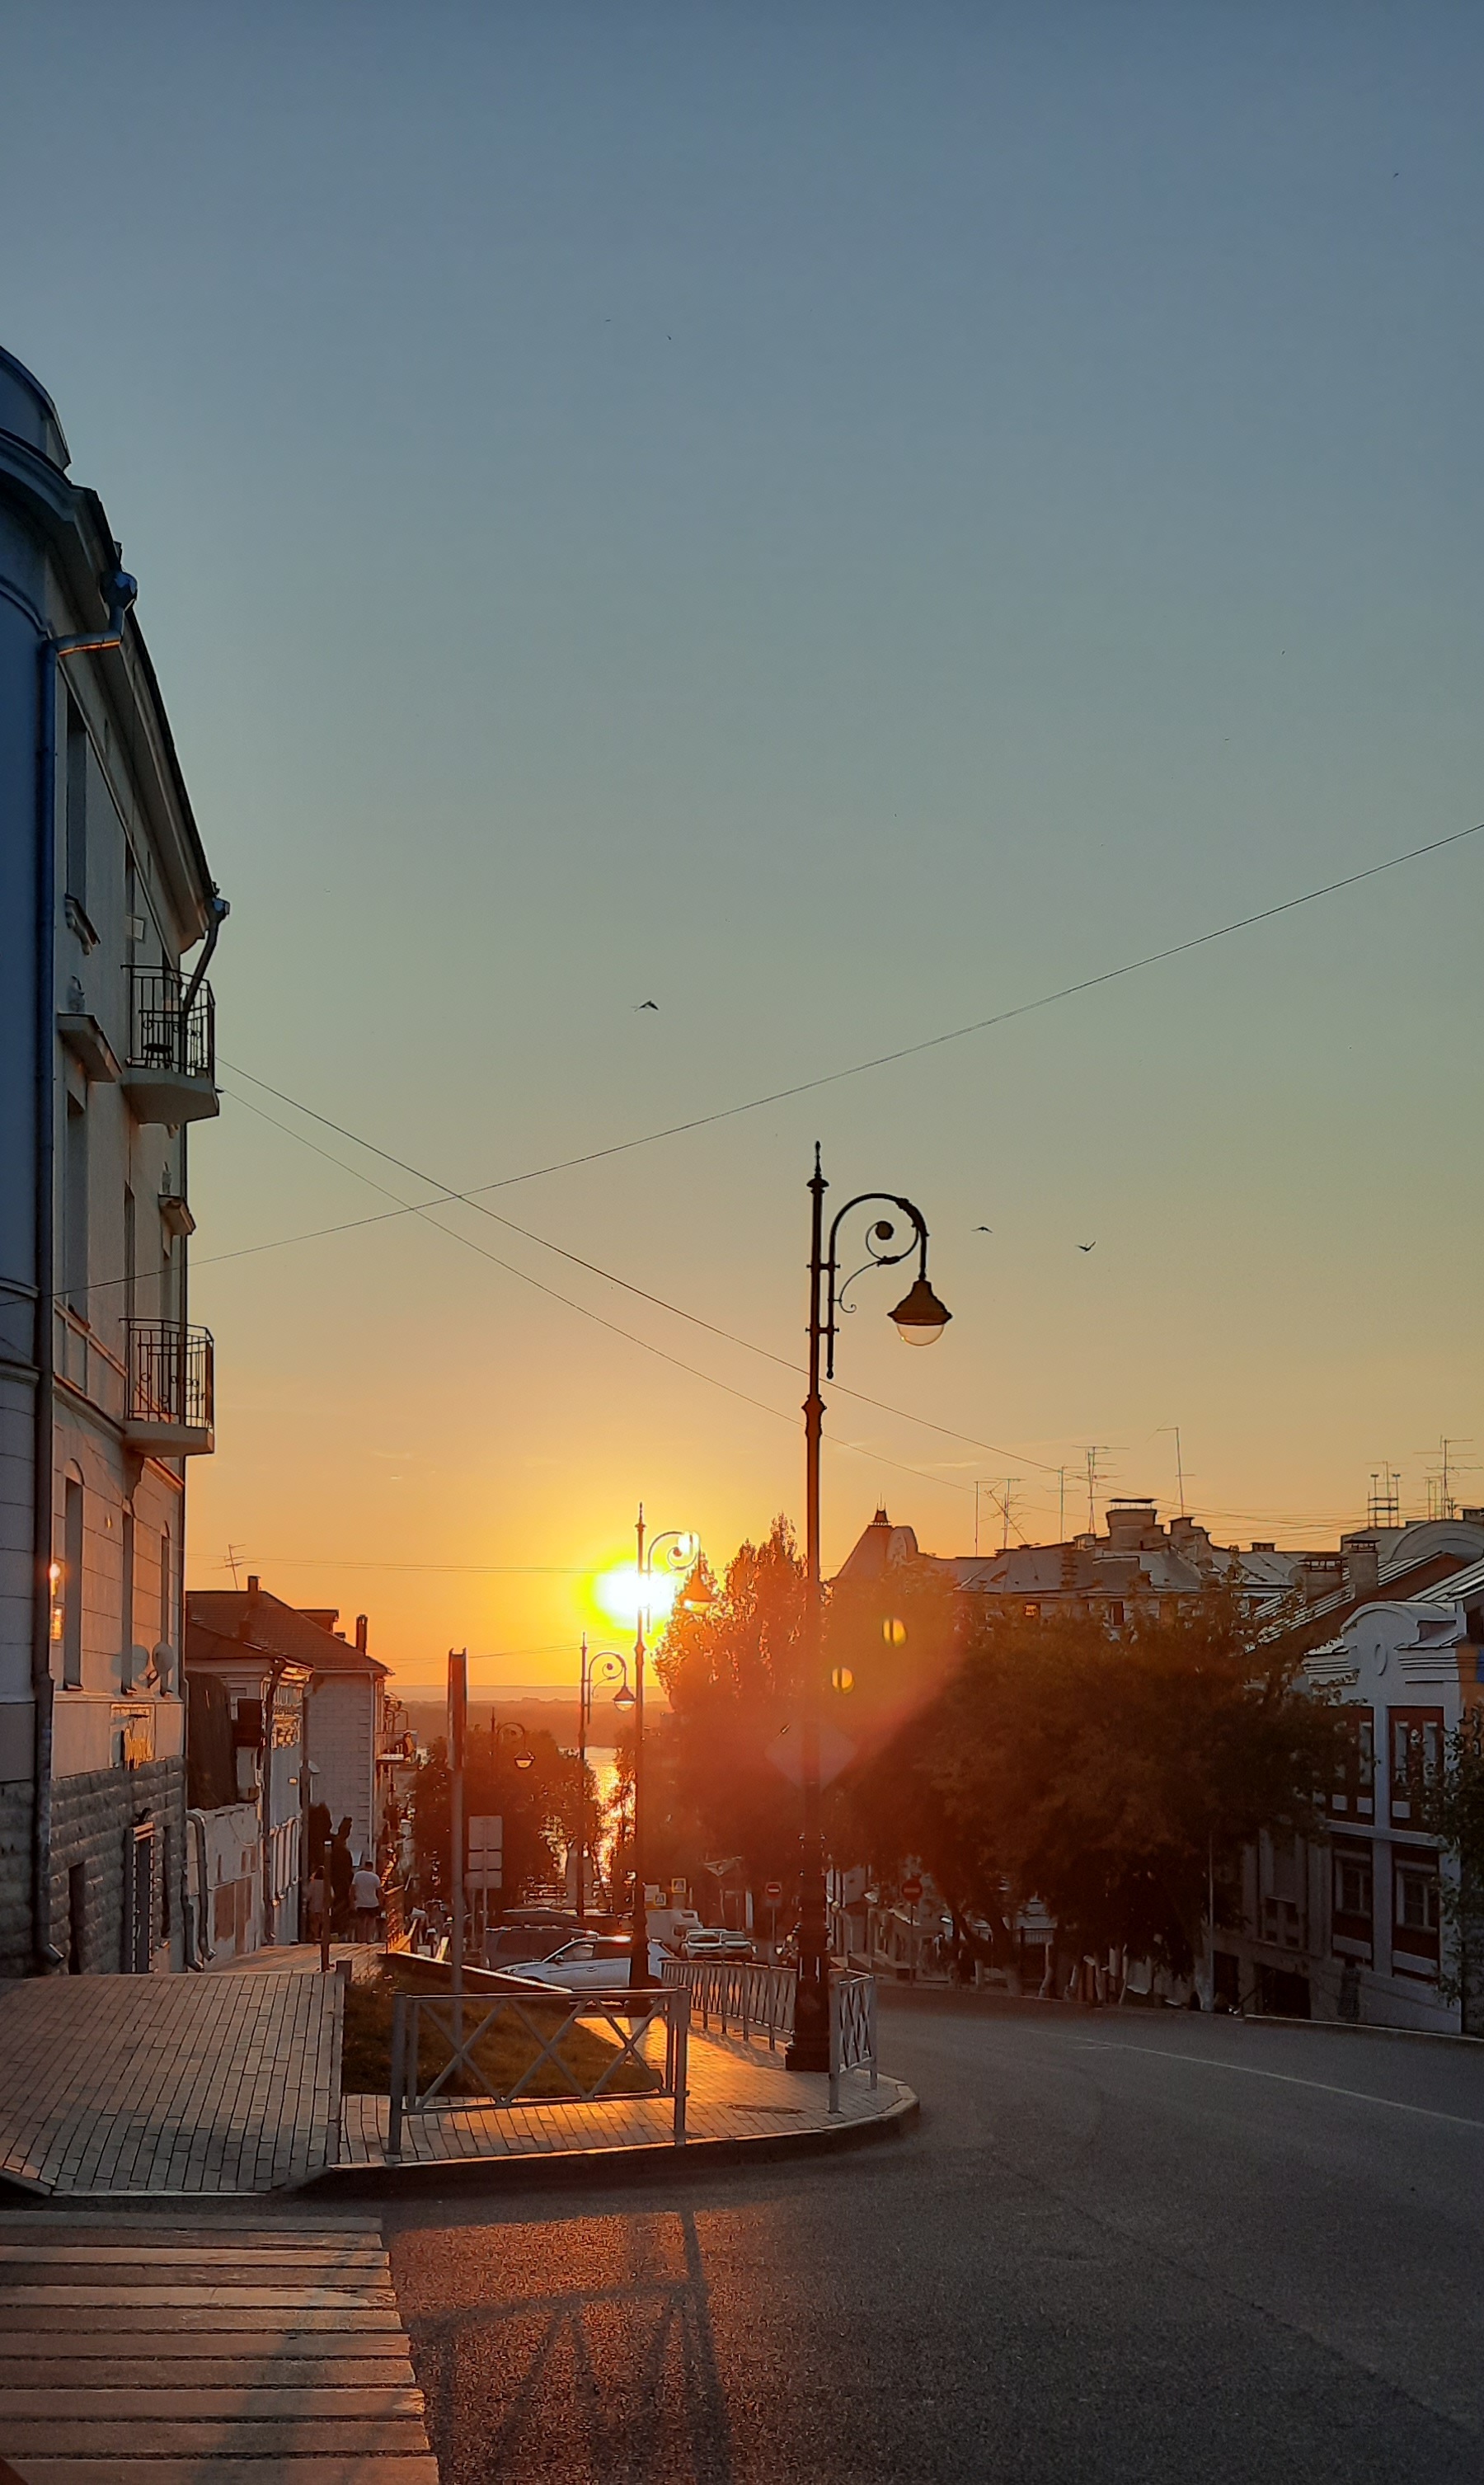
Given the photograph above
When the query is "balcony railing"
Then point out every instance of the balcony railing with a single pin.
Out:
(171, 1389)
(170, 1074)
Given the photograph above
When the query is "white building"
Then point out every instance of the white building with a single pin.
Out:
(106, 1058)
(1351, 1926)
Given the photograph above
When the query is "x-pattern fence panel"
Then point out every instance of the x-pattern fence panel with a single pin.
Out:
(744, 1999)
(463, 2025)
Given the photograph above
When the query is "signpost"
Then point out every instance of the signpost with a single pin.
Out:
(773, 1890)
(912, 1891)
(487, 1863)
(458, 1734)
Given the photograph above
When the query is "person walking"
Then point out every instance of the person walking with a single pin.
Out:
(365, 1888)
(342, 1873)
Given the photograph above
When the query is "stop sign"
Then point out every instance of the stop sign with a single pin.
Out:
(773, 1890)
(912, 1891)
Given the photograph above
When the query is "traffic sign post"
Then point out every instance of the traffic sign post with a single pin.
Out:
(485, 1870)
(912, 1891)
(773, 1890)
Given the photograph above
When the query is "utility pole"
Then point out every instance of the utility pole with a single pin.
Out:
(459, 1730)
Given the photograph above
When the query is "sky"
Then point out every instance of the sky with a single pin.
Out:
(845, 522)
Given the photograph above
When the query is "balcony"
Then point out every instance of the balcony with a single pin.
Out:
(170, 1411)
(170, 1076)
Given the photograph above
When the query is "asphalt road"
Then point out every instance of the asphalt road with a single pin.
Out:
(1121, 2247)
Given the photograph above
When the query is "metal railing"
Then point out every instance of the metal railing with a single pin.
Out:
(461, 2022)
(852, 2030)
(742, 1997)
(749, 2002)
(172, 1375)
(163, 1035)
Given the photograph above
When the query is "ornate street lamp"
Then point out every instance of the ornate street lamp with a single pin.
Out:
(681, 1553)
(598, 1666)
(920, 1320)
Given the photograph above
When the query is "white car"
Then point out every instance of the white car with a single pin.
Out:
(595, 1963)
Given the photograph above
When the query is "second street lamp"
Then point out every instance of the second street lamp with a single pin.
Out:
(682, 1554)
(598, 1665)
(920, 1320)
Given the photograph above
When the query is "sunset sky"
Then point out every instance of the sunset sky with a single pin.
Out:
(841, 521)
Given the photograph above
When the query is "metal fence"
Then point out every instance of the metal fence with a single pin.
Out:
(162, 1034)
(172, 1375)
(461, 2022)
(852, 2030)
(744, 1999)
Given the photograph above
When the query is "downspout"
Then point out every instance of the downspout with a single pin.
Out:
(202, 1946)
(122, 591)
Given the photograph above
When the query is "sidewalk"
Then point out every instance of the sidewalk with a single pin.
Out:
(739, 2101)
(138, 2351)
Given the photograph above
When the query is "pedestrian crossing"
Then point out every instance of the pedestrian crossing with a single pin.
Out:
(147, 2352)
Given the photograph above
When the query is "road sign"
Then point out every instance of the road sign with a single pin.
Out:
(912, 1891)
(486, 1851)
(773, 1890)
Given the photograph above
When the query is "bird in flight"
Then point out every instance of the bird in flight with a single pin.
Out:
(643, 1005)
(983, 1229)
(1086, 1247)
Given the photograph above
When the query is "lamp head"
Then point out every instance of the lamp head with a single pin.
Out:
(623, 1700)
(920, 1318)
(525, 1760)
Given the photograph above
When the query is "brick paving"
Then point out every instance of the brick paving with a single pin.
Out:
(152, 2085)
(148, 2351)
(734, 2092)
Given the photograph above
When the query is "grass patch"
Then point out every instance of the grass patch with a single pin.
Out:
(507, 2051)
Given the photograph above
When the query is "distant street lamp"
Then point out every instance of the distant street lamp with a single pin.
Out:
(512, 1732)
(920, 1320)
(682, 1554)
(598, 1666)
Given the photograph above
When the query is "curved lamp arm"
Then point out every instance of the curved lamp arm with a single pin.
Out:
(881, 1253)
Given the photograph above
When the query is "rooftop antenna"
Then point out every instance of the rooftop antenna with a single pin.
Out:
(1441, 1503)
(1383, 1509)
(1092, 1453)
(236, 1553)
(1179, 1463)
(1061, 1505)
(1010, 1483)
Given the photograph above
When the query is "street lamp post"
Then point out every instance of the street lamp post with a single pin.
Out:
(920, 1319)
(598, 1665)
(681, 1555)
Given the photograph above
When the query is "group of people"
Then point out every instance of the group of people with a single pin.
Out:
(344, 1895)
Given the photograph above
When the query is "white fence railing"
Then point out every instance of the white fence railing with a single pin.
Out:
(743, 1998)
(458, 2024)
(747, 2000)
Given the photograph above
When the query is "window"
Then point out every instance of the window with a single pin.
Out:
(167, 1586)
(77, 808)
(1352, 1900)
(72, 1586)
(1417, 1754)
(1416, 1915)
(1353, 1794)
(1352, 1885)
(74, 1208)
(130, 1252)
(127, 1605)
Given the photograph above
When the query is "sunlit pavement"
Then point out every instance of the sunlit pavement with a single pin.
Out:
(1122, 2248)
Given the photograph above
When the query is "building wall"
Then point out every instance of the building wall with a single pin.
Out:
(342, 1753)
(229, 1908)
(130, 890)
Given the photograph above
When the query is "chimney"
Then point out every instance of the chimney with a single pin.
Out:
(1362, 1566)
(252, 1583)
(360, 1634)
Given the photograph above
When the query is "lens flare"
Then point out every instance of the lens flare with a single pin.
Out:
(623, 1594)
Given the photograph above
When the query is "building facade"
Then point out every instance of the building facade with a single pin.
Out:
(106, 1389)
(1351, 1925)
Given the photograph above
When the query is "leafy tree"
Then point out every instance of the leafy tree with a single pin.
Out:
(1453, 1810)
(537, 1806)
(1106, 1775)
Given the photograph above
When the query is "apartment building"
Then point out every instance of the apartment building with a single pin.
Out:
(106, 1387)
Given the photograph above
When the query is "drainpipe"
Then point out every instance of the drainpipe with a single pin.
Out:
(121, 590)
(265, 1799)
(202, 1946)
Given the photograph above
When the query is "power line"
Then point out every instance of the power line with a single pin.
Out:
(956, 1034)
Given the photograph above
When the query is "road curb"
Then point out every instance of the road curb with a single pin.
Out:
(575, 2168)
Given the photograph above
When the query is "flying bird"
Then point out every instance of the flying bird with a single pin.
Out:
(1086, 1247)
(641, 1005)
(983, 1229)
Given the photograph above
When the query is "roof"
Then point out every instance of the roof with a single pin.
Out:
(253, 1618)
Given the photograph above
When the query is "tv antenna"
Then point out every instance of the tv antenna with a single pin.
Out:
(1179, 1463)
(236, 1553)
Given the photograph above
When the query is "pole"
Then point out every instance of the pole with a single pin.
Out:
(458, 1720)
(639, 1953)
(810, 2050)
(583, 1695)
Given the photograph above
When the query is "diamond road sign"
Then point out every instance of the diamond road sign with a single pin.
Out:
(786, 1753)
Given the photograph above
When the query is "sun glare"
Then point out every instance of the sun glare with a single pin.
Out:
(623, 1594)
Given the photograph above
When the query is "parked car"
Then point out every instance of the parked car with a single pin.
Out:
(596, 1964)
(715, 1941)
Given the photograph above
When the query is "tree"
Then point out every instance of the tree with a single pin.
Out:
(1108, 1775)
(537, 1807)
(1453, 1810)
(732, 1672)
